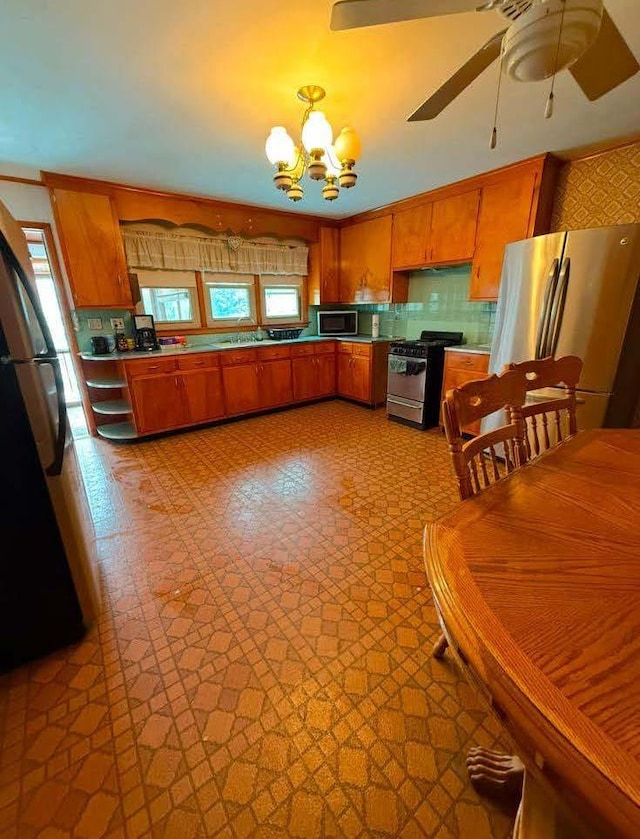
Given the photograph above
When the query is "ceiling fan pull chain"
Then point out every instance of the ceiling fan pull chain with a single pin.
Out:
(548, 111)
(494, 130)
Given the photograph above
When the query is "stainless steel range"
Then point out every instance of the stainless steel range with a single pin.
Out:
(415, 378)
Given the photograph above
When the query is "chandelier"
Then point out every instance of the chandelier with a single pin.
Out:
(315, 153)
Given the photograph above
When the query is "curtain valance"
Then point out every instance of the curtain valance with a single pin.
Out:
(150, 246)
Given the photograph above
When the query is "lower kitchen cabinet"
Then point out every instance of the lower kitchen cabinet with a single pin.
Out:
(462, 367)
(241, 388)
(362, 371)
(156, 402)
(314, 377)
(275, 385)
(202, 395)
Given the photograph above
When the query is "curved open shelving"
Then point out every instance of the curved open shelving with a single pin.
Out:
(112, 406)
(118, 431)
(107, 384)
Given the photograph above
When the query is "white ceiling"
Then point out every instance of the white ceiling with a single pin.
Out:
(181, 95)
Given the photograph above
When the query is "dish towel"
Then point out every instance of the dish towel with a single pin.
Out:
(397, 364)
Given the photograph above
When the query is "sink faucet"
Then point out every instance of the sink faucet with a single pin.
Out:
(238, 325)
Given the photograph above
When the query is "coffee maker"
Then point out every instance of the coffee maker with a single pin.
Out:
(144, 333)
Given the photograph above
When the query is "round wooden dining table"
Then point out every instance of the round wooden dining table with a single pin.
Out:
(537, 585)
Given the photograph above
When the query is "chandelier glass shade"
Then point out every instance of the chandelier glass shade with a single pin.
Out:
(316, 154)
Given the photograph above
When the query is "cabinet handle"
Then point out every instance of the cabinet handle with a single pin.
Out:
(198, 363)
(177, 382)
(152, 367)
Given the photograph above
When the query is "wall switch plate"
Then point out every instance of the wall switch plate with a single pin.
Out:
(117, 324)
(94, 323)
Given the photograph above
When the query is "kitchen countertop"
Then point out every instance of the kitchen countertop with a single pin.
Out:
(217, 347)
(480, 349)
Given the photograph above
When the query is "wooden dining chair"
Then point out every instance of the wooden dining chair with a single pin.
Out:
(486, 458)
(549, 421)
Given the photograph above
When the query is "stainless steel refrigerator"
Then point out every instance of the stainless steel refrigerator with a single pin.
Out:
(576, 293)
(49, 589)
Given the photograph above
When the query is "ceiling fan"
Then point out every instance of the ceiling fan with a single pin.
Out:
(544, 36)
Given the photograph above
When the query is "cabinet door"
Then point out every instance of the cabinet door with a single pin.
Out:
(324, 266)
(410, 236)
(365, 261)
(345, 375)
(203, 395)
(453, 228)
(157, 402)
(505, 209)
(241, 393)
(361, 379)
(274, 383)
(93, 249)
(325, 375)
(304, 378)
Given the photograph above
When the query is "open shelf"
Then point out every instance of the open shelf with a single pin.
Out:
(112, 406)
(106, 383)
(118, 431)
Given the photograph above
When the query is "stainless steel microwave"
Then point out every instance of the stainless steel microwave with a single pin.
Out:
(338, 323)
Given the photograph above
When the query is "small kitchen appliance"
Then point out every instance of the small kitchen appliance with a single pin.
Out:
(283, 334)
(144, 333)
(99, 345)
(414, 381)
(338, 323)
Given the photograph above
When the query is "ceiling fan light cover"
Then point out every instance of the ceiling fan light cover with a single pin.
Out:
(531, 43)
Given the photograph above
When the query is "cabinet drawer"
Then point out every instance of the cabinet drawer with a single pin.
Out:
(363, 350)
(149, 366)
(298, 350)
(475, 362)
(346, 347)
(269, 353)
(238, 357)
(195, 362)
(324, 347)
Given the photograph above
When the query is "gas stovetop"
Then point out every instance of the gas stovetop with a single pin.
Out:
(426, 344)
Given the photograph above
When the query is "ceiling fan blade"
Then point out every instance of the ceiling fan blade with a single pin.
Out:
(351, 14)
(606, 64)
(460, 80)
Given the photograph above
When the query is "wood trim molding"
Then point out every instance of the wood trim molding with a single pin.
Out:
(54, 180)
(15, 180)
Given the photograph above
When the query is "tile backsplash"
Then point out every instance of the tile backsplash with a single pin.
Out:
(438, 299)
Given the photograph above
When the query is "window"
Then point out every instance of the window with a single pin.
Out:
(170, 296)
(281, 298)
(230, 299)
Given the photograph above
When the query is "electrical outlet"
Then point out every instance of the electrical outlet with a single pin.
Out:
(94, 323)
(117, 324)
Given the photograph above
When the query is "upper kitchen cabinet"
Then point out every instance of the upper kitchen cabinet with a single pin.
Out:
(324, 267)
(365, 263)
(410, 240)
(92, 247)
(452, 237)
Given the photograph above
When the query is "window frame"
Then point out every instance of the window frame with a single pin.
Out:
(269, 281)
(230, 280)
(177, 280)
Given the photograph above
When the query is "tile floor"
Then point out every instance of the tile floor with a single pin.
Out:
(262, 664)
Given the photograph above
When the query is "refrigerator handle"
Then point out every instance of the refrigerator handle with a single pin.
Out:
(545, 312)
(558, 308)
(55, 467)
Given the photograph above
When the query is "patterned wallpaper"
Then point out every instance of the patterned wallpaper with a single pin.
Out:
(599, 190)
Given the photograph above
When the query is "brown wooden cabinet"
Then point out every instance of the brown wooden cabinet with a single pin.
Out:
(410, 240)
(365, 263)
(241, 388)
(92, 247)
(275, 384)
(362, 371)
(314, 371)
(157, 402)
(324, 267)
(452, 235)
(505, 212)
(202, 395)
(461, 367)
